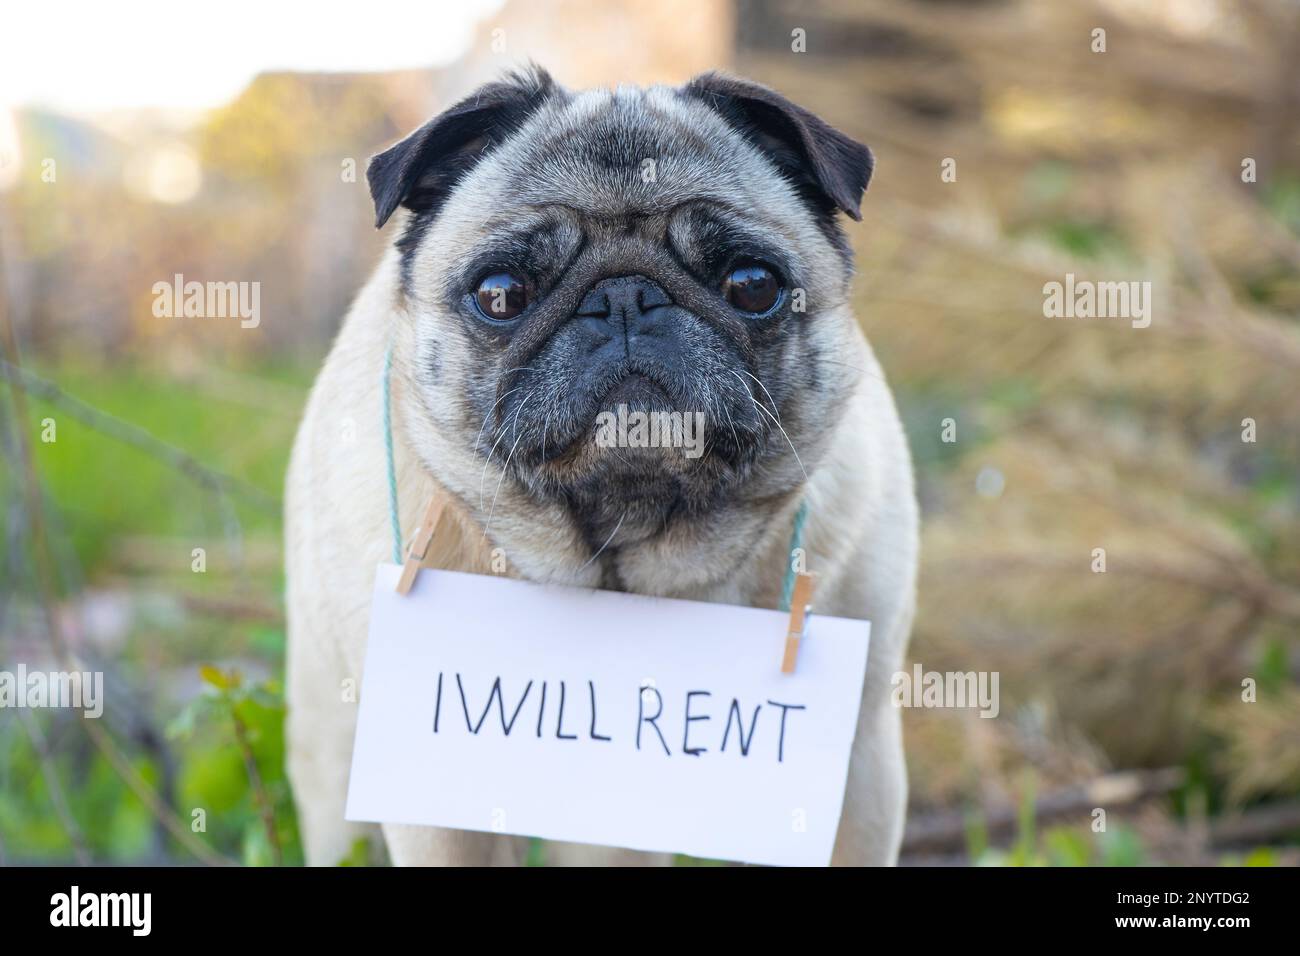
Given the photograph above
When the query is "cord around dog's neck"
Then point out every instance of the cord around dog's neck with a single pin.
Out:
(395, 521)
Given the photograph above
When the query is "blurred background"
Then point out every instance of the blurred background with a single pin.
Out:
(143, 456)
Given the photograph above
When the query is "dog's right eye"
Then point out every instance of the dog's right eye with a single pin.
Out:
(501, 296)
(752, 287)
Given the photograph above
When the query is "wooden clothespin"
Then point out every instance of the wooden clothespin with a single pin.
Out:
(800, 611)
(420, 542)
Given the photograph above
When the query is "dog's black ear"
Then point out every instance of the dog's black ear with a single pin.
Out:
(826, 166)
(420, 171)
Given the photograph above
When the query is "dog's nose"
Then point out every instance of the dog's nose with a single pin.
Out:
(626, 300)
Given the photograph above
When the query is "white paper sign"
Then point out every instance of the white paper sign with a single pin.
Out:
(602, 717)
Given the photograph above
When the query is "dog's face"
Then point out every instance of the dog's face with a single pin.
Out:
(570, 260)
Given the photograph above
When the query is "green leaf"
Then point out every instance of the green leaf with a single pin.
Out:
(181, 727)
(358, 854)
(215, 677)
(256, 850)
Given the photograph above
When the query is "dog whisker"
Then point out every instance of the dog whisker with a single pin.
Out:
(856, 368)
(775, 421)
(486, 417)
(731, 424)
(506, 467)
(787, 439)
(775, 410)
(488, 460)
(606, 544)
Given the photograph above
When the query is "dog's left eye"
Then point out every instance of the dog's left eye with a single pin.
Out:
(752, 287)
(502, 296)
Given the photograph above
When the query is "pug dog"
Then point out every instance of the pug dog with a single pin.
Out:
(557, 255)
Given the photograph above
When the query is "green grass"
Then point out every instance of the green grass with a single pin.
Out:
(101, 491)
(104, 490)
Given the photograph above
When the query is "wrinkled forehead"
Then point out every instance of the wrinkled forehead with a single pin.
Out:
(610, 153)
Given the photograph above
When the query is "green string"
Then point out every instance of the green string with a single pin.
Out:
(796, 535)
(388, 451)
(796, 542)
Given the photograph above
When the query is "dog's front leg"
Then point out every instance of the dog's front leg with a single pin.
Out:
(875, 796)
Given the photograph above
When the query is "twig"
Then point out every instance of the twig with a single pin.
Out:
(132, 434)
(233, 608)
(260, 796)
(1260, 825)
(1244, 585)
(57, 798)
(45, 577)
(947, 830)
